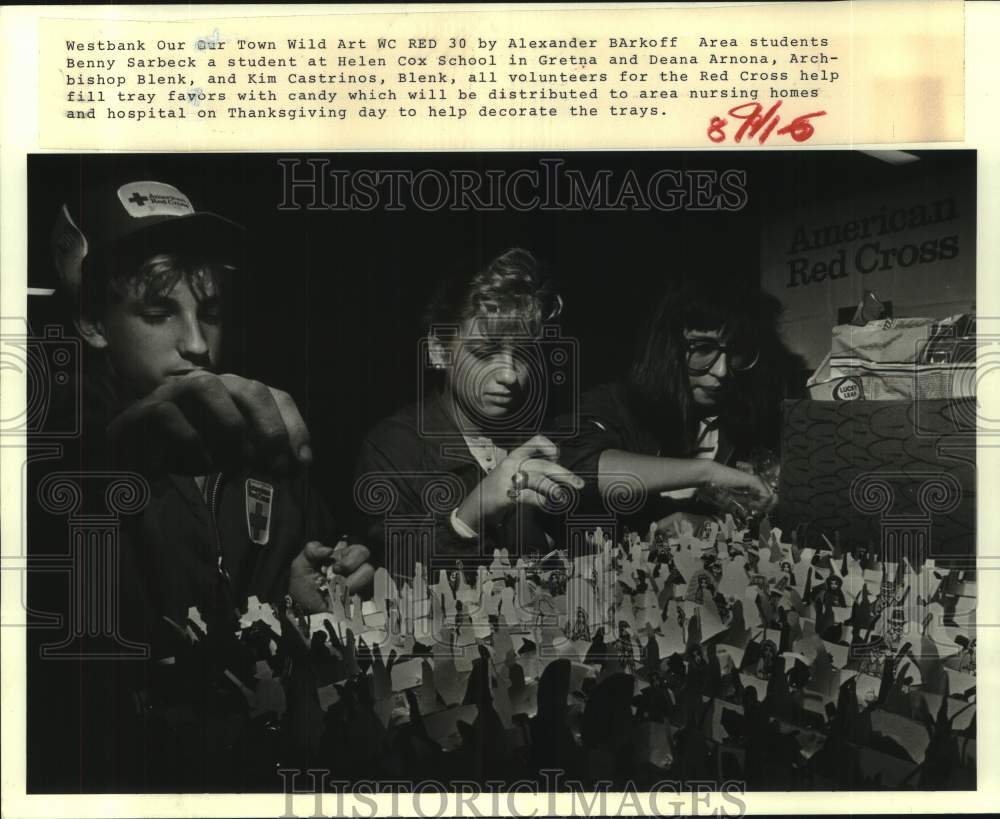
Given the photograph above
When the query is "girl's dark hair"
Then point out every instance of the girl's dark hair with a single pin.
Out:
(658, 380)
(513, 284)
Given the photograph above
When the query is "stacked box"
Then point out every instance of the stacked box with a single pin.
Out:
(829, 445)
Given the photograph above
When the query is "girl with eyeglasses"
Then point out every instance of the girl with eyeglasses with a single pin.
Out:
(702, 394)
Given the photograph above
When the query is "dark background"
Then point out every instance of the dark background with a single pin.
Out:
(333, 299)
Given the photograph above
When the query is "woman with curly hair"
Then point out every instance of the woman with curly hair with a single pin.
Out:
(465, 465)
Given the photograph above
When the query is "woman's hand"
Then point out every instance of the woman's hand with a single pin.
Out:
(741, 494)
(543, 482)
(722, 477)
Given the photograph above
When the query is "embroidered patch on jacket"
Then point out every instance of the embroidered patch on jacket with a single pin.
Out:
(259, 496)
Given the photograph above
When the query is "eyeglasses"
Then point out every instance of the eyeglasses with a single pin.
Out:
(703, 353)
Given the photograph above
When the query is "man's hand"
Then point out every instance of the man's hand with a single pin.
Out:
(204, 422)
(307, 572)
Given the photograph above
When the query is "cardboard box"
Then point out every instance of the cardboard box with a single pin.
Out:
(828, 445)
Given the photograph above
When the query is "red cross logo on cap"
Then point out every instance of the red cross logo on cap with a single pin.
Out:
(138, 198)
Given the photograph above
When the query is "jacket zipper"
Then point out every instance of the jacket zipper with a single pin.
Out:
(212, 501)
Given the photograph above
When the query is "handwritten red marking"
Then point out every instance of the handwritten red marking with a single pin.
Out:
(756, 120)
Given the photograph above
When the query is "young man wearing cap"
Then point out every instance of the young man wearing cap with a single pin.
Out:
(149, 276)
(230, 514)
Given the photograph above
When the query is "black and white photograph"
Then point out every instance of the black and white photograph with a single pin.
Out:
(559, 471)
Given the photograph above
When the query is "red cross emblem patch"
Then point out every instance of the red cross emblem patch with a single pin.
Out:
(259, 496)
